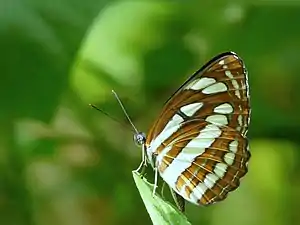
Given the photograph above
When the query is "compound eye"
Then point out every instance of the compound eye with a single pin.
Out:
(139, 138)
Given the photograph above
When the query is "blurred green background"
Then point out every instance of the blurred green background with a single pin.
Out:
(63, 163)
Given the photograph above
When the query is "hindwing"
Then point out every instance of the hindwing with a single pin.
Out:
(199, 140)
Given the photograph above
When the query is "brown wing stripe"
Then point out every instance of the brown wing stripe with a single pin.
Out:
(221, 89)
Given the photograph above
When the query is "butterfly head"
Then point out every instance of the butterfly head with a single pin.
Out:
(139, 138)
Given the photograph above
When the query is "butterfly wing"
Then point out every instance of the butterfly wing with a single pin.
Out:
(199, 140)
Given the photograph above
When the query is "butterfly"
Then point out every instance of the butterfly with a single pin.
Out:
(198, 145)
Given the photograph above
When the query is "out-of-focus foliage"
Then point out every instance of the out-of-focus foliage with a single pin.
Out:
(65, 164)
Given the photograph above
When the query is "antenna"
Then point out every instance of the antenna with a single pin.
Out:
(124, 110)
(114, 119)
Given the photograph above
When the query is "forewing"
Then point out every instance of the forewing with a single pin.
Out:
(200, 137)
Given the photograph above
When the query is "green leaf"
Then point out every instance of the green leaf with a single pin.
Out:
(160, 211)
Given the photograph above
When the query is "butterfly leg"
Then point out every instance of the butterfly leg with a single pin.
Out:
(155, 180)
(179, 200)
(140, 166)
(143, 163)
(162, 190)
